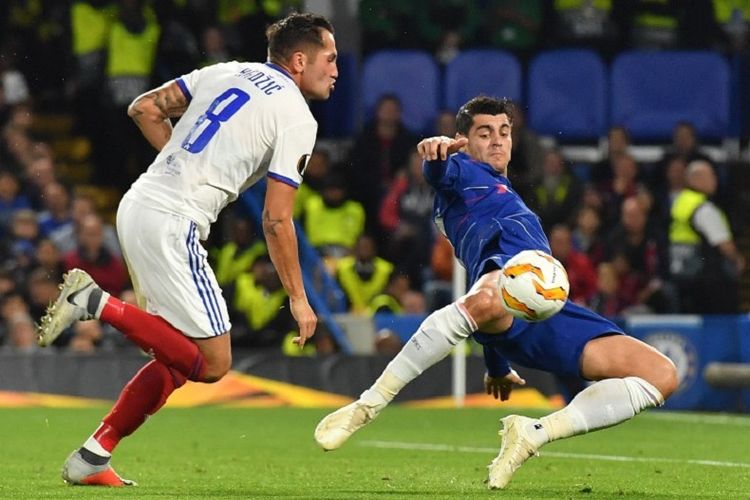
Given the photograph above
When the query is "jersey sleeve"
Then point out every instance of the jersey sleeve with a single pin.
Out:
(291, 152)
(440, 174)
(497, 365)
(187, 83)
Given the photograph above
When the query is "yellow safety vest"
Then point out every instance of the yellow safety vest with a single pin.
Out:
(387, 301)
(723, 9)
(132, 54)
(681, 228)
(577, 4)
(258, 306)
(360, 292)
(333, 226)
(230, 264)
(90, 27)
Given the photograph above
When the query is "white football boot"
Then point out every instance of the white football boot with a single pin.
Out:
(70, 306)
(517, 447)
(336, 427)
(78, 471)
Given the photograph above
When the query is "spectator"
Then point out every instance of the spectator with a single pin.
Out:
(49, 258)
(583, 23)
(685, 146)
(65, 236)
(238, 255)
(92, 256)
(406, 213)
(525, 171)
(11, 199)
(21, 246)
(333, 222)
(21, 335)
(364, 275)
(37, 176)
(445, 123)
(57, 213)
(586, 235)
(558, 194)
(86, 337)
(260, 307)
(214, 46)
(13, 87)
(42, 291)
(607, 300)
(379, 151)
(444, 26)
(513, 25)
(581, 272)
(618, 143)
(317, 171)
(438, 289)
(704, 260)
(630, 241)
(733, 18)
(624, 184)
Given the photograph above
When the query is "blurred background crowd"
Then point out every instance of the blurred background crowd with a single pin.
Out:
(642, 226)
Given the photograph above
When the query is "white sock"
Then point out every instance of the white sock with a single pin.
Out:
(602, 404)
(435, 338)
(93, 446)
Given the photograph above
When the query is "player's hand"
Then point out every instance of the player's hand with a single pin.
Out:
(306, 319)
(441, 147)
(501, 387)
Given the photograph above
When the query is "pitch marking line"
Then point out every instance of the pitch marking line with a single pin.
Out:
(554, 454)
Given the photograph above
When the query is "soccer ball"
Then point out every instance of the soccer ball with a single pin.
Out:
(533, 285)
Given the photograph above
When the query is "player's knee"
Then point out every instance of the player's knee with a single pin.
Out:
(216, 369)
(668, 379)
(483, 305)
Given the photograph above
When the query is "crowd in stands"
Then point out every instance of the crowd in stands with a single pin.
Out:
(634, 236)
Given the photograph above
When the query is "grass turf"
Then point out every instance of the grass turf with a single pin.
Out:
(406, 453)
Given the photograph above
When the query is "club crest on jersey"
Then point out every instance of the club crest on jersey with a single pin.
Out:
(302, 164)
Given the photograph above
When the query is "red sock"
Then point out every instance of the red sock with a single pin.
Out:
(157, 337)
(146, 392)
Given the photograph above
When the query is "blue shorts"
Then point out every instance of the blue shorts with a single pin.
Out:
(553, 345)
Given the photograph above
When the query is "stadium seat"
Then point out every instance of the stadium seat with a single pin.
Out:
(411, 75)
(492, 72)
(567, 95)
(652, 91)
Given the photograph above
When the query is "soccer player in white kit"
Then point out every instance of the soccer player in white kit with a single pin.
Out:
(239, 122)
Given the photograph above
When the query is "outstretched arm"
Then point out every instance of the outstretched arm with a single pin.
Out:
(282, 247)
(152, 110)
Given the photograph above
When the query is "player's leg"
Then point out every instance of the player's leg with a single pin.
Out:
(631, 376)
(185, 290)
(432, 342)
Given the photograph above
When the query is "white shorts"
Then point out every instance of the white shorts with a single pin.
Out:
(169, 270)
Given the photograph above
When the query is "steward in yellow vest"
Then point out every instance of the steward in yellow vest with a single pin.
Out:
(363, 276)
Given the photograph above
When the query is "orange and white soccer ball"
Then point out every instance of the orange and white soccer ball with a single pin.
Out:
(533, 285)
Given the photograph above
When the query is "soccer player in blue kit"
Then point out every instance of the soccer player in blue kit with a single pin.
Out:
(487, 223)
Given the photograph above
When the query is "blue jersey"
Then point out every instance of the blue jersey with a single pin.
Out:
(487, 223)
(481, 215)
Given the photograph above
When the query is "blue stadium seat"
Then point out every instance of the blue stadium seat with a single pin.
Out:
(652, 91)
(567, 95)
(411, 75)
(491, 72)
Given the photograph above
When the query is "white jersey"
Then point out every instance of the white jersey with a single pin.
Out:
(243, 121)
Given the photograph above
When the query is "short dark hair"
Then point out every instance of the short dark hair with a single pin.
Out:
(482, 105)
(295, 32)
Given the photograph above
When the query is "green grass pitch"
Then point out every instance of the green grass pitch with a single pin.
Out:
(405, 454)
